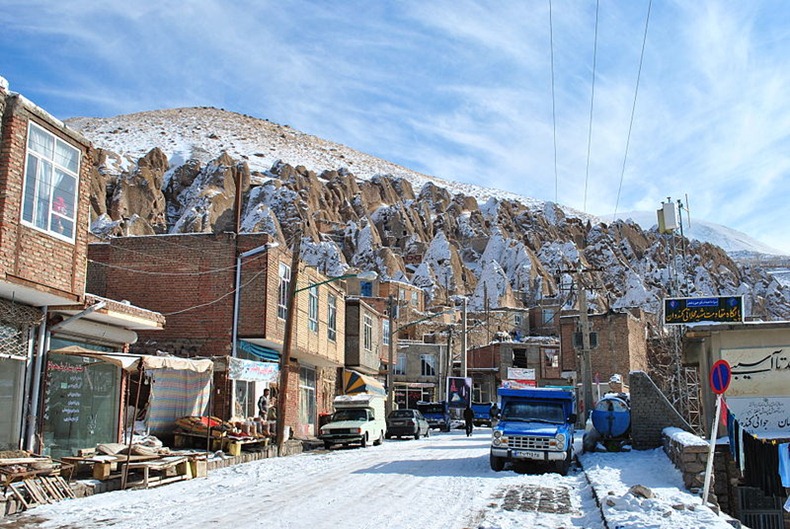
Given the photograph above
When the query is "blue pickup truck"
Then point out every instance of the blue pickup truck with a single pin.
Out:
(482, 413)
(535, 425)
(436, 413)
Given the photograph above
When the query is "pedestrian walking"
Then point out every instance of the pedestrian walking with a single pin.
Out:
(469, 418)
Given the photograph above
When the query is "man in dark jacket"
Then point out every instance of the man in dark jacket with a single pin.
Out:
(469, 417)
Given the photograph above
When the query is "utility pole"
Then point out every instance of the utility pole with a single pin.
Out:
(391, 355)
(586, 363)
(463, 336)
(285, 358)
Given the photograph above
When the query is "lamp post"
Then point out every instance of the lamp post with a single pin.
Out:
(290, 316)
(236, 302)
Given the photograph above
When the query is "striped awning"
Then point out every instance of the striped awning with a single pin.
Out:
(264, 353)
(354, 382)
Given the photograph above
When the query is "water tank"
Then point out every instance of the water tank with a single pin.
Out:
(612, 416)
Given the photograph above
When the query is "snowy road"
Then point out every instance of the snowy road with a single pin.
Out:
(440, 482)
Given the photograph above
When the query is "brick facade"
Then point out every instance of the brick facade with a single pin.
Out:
(622, 345)
(30, 257)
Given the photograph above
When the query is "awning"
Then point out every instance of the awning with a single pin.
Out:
(131, 362)
(264, 353)
(354, 382)
(248, 370)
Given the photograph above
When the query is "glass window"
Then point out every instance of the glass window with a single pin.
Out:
(307, 398)
(400, 366)
(415, 298)
(366, 289)
(50, 188)
(367, 332)
(385, 331)
(312, 309)
(282, 295)
(428, 365)
(80, 404)
(331, 317)
(548, 316)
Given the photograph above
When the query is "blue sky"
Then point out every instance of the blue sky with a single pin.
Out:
(460, 90)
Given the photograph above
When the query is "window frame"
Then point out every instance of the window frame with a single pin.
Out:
(312, 309)
(427, 365)
(331, 317)
(400, 365)
(367, 332)
(284, 273)
(63, 182)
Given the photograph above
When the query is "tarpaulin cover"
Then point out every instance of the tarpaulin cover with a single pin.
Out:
(176, 393)
(131, 362)
(264, 353)
(354, 382)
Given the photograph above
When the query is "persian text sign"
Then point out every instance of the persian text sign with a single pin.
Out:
(759, 371)
(764, 417)
(252, 371)
(678, 311)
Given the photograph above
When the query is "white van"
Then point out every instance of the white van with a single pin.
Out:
(358, 418)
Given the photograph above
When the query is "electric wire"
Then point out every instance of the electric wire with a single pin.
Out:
(218, 299)
(633, 108)
(553, 105)
(592, 101)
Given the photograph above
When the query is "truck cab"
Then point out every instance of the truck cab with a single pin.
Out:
(358, 418)
(535, 425)
(436, 413)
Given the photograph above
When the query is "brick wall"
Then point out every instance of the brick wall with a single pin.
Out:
(651, 412)
(31, 256)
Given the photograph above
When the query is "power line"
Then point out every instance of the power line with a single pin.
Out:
(592, 100)
(216, 300)
(633, 108)
(553, 106)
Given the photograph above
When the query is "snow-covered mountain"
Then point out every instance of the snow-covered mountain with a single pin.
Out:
(179, 171)
(732, 241)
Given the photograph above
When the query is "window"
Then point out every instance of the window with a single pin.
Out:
(428, 365)
(331, 318)
(517, 320)
(520, 358)
(552, 357)
(50, 188)
(367, 332)
(282, 295)
(400, 366)
(366, 289)
(415, 298)
(312, 309)
(548, 316)
(385, 331)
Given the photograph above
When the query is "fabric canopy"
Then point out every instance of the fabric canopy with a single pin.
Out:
(259, 351)
(354, 382)
(131, 362)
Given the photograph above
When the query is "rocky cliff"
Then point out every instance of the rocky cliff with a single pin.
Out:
(207, 170)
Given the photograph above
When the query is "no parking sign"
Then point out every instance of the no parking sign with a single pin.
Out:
(720, 376)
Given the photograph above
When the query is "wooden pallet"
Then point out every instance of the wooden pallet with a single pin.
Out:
(41, 490)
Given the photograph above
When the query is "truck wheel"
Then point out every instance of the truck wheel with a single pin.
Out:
(364, 442)
(497, 463)
(564, 466)
(327, 445)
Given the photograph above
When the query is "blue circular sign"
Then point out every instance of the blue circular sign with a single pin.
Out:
(720, 376)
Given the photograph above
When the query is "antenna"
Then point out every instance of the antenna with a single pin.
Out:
(688, 211)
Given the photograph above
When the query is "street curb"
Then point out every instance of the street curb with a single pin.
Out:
(594, 492)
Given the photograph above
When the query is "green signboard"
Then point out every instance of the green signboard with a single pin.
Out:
(727, 309)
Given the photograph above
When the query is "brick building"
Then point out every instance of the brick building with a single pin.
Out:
(621, 344)
(44, 210)
(191, 279)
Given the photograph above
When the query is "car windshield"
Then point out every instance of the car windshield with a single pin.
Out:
(402, 414)
(350, 415)
(533, 411)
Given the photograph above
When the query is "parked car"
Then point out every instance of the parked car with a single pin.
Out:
(407, 422)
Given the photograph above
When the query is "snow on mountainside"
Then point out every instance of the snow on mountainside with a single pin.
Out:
(204, 133)
(180, 171)
(731, 241)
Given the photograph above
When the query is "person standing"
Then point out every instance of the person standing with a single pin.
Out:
(493, 414)
(469, 417)
(263, 404)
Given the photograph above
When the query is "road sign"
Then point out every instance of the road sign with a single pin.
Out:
(678, 311)
(720, 376)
